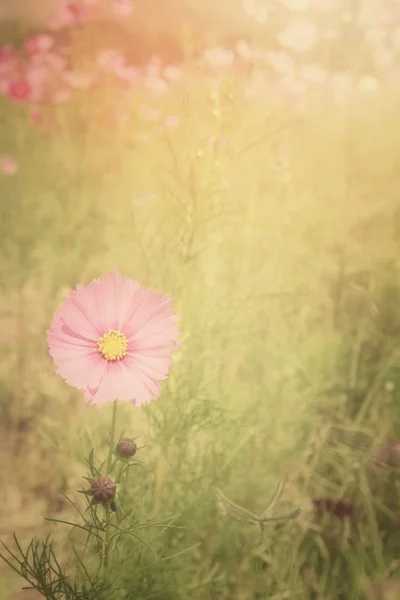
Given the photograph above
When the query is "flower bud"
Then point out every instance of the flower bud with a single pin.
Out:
(103, 489)
(126, 448)
(389, 456)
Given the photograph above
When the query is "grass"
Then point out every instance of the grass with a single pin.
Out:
(285, 277)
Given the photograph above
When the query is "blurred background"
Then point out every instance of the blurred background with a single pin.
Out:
(242, 157)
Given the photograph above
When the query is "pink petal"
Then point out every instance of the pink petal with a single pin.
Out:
(77, 319)
(122, 382)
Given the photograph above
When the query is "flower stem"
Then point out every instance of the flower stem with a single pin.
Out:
(106, 539)
(112, 440)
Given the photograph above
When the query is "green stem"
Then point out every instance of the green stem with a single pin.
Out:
(106, 539)
(112, 441)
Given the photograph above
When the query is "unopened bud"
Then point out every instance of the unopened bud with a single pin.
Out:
(126, 448)
(103, 489)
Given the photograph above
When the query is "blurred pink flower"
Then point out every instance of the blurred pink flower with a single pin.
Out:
(78, 80)
(39, 44)
(299, 35)
(127, 74)
(62, 18)
(219, 57)
(113, 339)
(83, 13)
(10, 64)
(122, 8)
(7, 52)
(70, 13)
(53, 61)
(19, 90)
(8, 165)
(36, 76)
(110, 60)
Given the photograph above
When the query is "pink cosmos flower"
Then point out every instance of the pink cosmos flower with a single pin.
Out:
(39, 44)
(19, 90)
(69, 13)
(8, 165)
(37, 78)
(7, 54)
(62, 18)
(10, 66)
(113, 340)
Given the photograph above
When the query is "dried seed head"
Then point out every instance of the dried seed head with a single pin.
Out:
(389, 456)
(126, 448)
(339, 508)
(103, 489)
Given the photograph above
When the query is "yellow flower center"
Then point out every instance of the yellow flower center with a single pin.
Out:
(113, 345)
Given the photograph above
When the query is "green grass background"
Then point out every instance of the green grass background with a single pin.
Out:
(280, 249)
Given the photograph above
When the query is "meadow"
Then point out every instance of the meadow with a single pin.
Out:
(256, 183)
